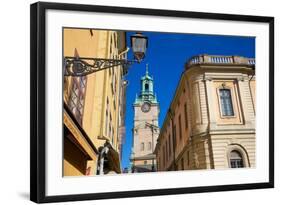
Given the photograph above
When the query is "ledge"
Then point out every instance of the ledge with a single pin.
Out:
(219, 60)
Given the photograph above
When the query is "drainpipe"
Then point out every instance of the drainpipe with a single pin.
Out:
(124, 51)
(251, 93)
(174, 137)
(103, 152)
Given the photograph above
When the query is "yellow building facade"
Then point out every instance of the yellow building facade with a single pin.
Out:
(94, 105)
(211, 120)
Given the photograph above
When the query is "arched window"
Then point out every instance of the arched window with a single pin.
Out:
(226, 102)
(146, 87)
(236, 160)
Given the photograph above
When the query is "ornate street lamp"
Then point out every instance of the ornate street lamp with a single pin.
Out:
(81, 66)
(139, 45)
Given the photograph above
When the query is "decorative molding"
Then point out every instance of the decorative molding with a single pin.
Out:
(241, 78)
(222, 60)
(208, 78)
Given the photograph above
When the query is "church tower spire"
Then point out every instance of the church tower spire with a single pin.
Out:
(147, 92)
(145, 130)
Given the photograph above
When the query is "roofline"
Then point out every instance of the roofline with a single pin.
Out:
(233, 62)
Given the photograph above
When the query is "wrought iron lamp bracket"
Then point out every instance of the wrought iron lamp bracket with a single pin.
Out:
(77, 66)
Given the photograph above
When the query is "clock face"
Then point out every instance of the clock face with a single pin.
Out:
(145, 107)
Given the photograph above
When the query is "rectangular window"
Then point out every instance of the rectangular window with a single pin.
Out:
(109, 130)
(180, 131)
(142, 146)
(163, 164)
(110, 125)
(175, 133)
(106, 116)
(226, 102)
(171, 143)
(149, 146)
(167, 150)
(115, 84)
(164, 152)
(111, 45)
(77, 96)
(185, 116)
(187, 158)
(158, 164)
(112, 138)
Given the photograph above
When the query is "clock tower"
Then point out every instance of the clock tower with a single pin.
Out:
(145, 130)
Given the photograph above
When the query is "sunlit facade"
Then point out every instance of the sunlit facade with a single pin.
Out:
(211, 120)
(94, 105)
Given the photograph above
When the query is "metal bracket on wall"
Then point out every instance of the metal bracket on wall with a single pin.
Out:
(76, 66)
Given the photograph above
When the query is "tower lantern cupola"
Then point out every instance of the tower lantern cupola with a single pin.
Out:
(146, 93)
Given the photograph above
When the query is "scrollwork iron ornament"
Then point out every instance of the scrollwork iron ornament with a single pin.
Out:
(76, 66)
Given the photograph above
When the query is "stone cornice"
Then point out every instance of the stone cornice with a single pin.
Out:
(220, 60)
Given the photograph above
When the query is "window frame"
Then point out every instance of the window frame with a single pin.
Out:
(231, 89)
(236, 160)
(180, 127)
(149, 147)
(185, 115)
(245, 157)
(142, 146)
(80, 97)
(226, 99)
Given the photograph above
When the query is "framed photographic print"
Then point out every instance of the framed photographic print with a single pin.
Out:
(129, 102)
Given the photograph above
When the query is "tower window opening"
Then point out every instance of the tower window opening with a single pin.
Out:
(146, 87)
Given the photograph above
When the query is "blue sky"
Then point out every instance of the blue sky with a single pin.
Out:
(166, 56)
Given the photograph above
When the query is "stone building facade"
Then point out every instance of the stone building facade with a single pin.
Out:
(145, 130)
(211, 120)
(94, 105)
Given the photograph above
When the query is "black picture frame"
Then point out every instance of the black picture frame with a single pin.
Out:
(38, 100)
